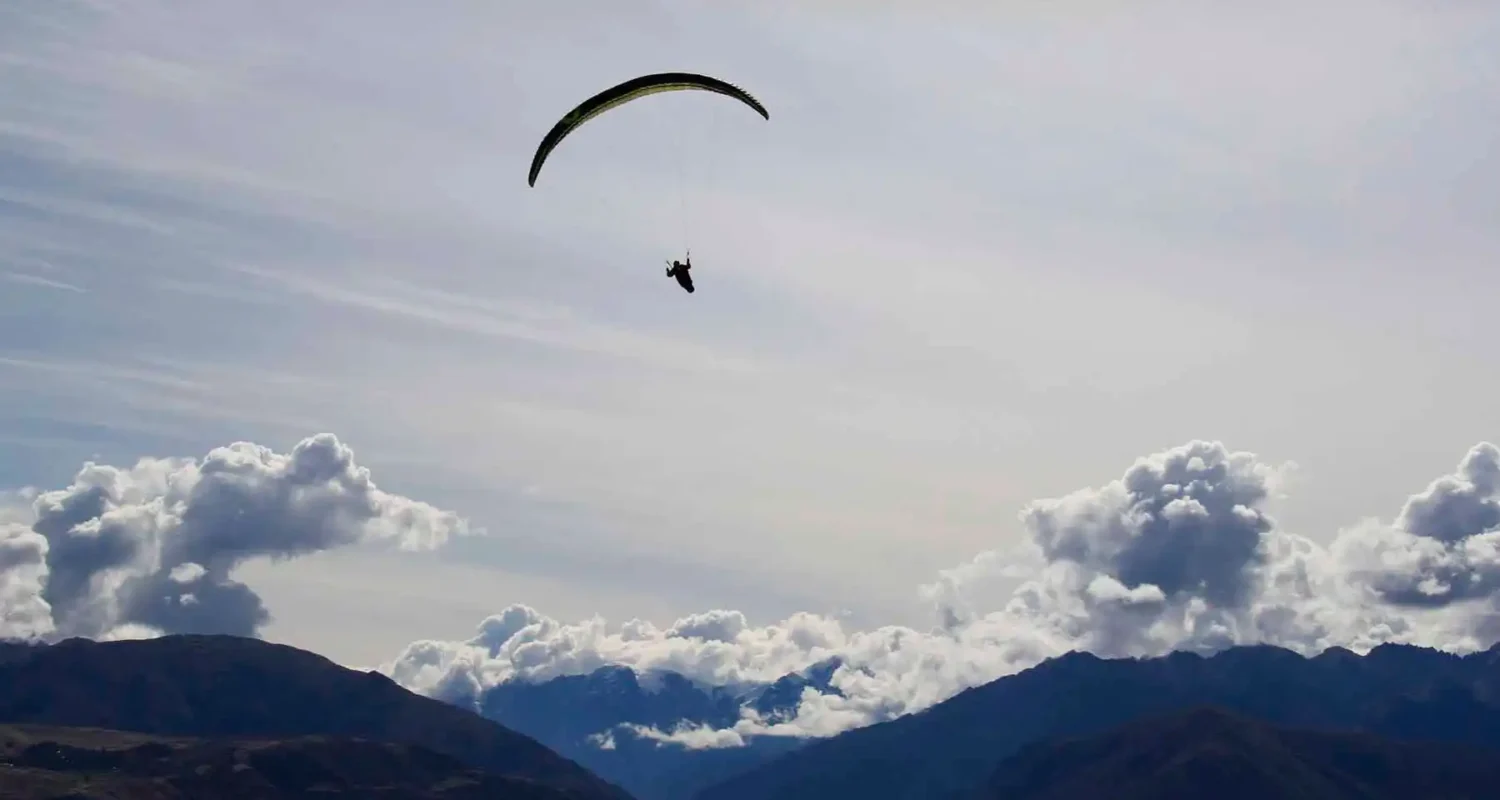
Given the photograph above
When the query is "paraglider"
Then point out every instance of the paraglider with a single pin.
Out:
(625, 92)
(679, 270)
(622, 93)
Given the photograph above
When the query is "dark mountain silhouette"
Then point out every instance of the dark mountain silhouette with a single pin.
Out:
(1209, 752)
(39, 762)
(231, 687)
(14, 651)
(948, 750)
(569, 713)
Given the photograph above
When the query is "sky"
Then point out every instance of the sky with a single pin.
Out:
(283, 331)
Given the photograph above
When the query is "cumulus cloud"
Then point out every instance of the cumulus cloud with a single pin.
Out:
(1178, 553)
(131, 552)
(23, 573)
(1444, 547)
(716, 648)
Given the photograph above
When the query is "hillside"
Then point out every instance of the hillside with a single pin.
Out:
(231, 687)
(950, 749)
(1208, 752)
(39, 762)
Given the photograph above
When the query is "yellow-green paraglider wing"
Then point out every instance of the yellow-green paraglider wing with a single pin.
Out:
(624, 93)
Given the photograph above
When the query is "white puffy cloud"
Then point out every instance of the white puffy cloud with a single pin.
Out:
(1444, 546)
(150, 549)
(23, 573)
(717, 648)
(1176, 554)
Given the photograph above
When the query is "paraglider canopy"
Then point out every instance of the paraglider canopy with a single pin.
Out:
(624, 93)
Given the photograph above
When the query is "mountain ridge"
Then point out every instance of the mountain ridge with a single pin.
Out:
(1210, 752)
(226, 686)
(41, 762)
(946, 750)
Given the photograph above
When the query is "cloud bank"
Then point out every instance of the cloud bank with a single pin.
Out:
(151, 549)
(1178, 553)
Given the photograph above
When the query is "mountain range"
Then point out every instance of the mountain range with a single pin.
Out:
(219, 716)
(1397, 691)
